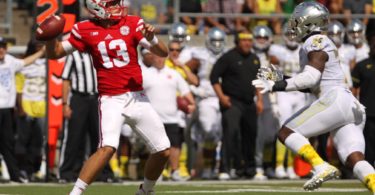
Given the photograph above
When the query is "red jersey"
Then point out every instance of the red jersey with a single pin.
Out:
(114, 53)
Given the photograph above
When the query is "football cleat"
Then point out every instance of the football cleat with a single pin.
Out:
(176, 176)
(224, 176)
(328, 173)
(141, 191)
(259, 176)
(280, 172)
(370, 182)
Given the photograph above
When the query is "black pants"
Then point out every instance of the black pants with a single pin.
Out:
(369, 133)
(29, 143)
(239, 136)
(7, 142)
(84, 121)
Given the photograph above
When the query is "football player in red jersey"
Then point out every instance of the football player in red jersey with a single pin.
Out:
(112, 37)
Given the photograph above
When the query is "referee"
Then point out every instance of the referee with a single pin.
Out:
(80, 101)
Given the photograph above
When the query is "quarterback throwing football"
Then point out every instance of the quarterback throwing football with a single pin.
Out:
(112, 37)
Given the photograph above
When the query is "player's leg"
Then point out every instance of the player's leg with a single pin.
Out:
(299, 101)
(210, 123)
(145, 121)
(350, 145)
(311, 121)
(285, 105)
(110, 122)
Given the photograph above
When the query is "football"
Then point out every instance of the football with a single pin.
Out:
(50, 28)
(182, 104)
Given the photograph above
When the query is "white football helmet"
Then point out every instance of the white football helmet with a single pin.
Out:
(356, 32)
(265, 33)
(289, 37)
(336, 32)
(215, 40)
(178, 32)
(308, 17)
(107, 9)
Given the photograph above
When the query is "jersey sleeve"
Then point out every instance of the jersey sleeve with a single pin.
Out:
(139, 25)
(76, 38)
(318, 43)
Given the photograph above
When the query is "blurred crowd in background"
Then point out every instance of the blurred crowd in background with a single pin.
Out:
(162, 12)
(212, 137)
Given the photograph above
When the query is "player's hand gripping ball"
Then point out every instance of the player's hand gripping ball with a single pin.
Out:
(50, 28)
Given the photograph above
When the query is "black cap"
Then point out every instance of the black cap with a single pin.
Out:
(3, 42)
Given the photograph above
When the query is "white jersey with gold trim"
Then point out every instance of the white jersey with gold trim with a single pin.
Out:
(206, 60)
(333, 74)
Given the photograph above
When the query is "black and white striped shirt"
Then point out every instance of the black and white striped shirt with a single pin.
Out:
(81, 73)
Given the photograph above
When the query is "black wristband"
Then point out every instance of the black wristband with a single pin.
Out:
(64, 103)
(279, 85)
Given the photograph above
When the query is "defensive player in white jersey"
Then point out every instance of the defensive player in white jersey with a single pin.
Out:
(336, 110)
(208, 130)
(286, 56)
(267, 120)
(347, 52)
(356, 36)
(179, 33)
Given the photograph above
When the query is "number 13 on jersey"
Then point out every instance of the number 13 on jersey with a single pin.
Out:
(119, 46)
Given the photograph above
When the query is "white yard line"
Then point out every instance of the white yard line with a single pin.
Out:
(194, 183)
(289, 190)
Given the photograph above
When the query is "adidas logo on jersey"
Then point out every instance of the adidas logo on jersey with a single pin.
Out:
(108, 37)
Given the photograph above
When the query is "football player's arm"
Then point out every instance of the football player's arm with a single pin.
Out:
(310, 75)
(156, 46)
(55, 49)
(193, 64)
(191, 78)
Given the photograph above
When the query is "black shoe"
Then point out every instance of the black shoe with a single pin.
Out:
(250, 172)
(20, 179)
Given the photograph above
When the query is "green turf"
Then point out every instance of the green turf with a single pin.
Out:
(351, 187)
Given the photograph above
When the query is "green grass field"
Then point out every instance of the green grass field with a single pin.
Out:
(275, 187)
